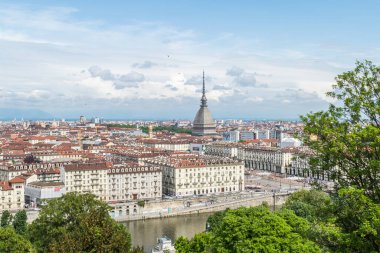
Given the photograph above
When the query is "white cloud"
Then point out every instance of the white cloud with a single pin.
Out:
(132, 77)
(235, 71)
(104, 74)
(44, 51)
(144, 65)
(254, 99)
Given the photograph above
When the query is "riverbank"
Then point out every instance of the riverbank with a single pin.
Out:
(207, 206)
(188, 206)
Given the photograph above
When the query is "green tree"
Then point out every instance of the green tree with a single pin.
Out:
(254, 229)
(182, 245)
(346, 137)
(311, 205)
(6, 218)
(214, 221)
(258, 229)
(141, 203)
(347, 222)
(20, 222)
(78, 223)
(200, 243)
(10, 241)
(359, 218)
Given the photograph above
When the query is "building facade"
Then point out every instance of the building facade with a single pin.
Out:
(270, 159)
(133, 182)
(86, 178)
(12, 194)
(200, 175)
(229, 150)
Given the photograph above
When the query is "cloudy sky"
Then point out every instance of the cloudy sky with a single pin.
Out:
(144, 59)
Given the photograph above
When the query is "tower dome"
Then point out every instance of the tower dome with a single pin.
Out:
(203, 123)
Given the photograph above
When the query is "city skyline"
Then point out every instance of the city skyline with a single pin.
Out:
(118, 60)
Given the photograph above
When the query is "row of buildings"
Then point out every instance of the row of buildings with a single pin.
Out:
(178, 174)
(289, 161)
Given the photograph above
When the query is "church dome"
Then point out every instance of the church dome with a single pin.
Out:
(203, 117)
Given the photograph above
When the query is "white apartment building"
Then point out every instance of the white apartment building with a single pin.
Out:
(167, 144)
(46, 170)
(270, 159)
(300, 167)
(247, 135)
(185, 175)
(232, 136)
(86, 178)
(277, 160)
(222, 149)
(12, 194)
(64, 155)
(262, 134)
(133, 182)
(52, 175)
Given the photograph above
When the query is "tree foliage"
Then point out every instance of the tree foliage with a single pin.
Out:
(78, 223)
(310, 221)
(347, 222)
(10, 241)
(31, 159)
(214, 221)
(359, 218)
(346, 141)
(255, 229)
(200, 243)
(311, 205)
(20, 222)
(260, 230)
(6, 218)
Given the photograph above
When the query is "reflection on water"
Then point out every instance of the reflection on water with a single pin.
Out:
(145, 233)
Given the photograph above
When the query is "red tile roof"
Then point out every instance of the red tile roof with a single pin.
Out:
(17, 180)
(5, 186)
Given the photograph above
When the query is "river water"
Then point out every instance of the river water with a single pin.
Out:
(145, 233)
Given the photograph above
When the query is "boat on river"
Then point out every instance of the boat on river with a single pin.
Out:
(164, 245)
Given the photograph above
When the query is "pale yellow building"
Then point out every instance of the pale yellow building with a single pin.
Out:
(86, 178)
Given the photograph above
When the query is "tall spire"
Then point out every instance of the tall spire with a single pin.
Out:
(204, 99)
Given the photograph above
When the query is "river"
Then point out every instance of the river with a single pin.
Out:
(145, 233)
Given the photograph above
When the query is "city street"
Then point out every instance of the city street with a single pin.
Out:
(267, 181)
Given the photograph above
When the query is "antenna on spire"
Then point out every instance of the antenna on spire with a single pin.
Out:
(204, 99)
(204, 88)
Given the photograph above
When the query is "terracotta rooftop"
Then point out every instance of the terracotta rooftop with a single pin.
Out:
(17, 180)
(86, 166)
(5, 186)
